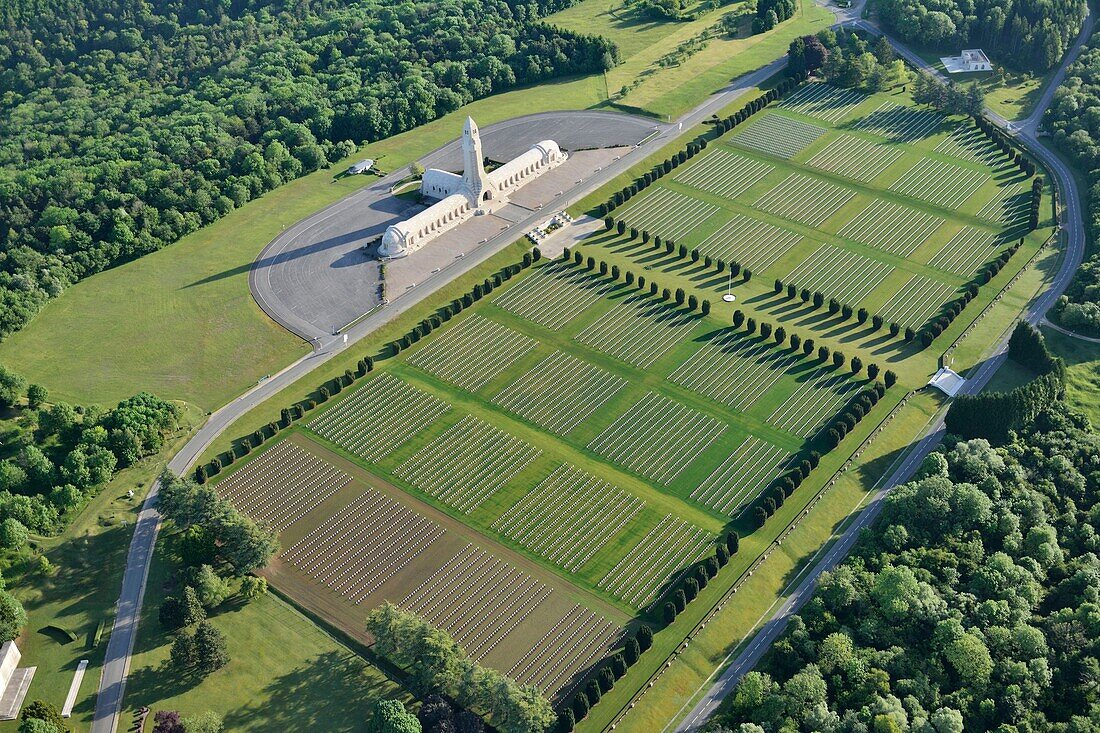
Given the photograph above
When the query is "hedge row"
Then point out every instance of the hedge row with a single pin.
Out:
(1036, 202)
(334, 386)
(614, 273)
(670, 247)
(1005, 144)
(721, 126)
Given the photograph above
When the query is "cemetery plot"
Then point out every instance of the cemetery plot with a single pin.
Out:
(940, 183)
(891, 227)
(807, 200)
(969, 143)
(755, 244)
(657, 437)
(669, 547)
(668, 213)
(1011, 205)
(473, 352)
(477, 598)
(733, 369)
(282, 485)
(378, 418)
(363, 545)
(915, 303)
(554, 294)
(742, 476)
(560, 392)
(855, 158)
(823, 101)
(569, 517)
(783, 137)
(724, 174)
(840, 274)
(467, 464)
(966, 251)
(575, 642)
(901, 124)
(817, 399)
(638, 330)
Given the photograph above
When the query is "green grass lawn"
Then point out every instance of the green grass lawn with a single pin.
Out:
(1082, 371)
(285, 671)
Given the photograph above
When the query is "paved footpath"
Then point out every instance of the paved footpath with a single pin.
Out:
(1026, 131)
(120, 645)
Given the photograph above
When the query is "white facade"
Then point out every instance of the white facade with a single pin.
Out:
(461, 197)
(972, 59)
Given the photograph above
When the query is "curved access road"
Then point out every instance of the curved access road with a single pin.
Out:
(747, 656)
(120, 646)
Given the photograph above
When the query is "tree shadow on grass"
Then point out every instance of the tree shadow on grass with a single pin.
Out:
(331, 692)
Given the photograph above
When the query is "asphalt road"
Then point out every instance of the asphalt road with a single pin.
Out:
(120, 645)
(1073, 226)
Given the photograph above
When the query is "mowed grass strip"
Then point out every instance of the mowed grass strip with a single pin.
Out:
(891, 227)
(473, 352)
(778, 135)
(282, 485)
(967, 142)
(638, 330)
(467, 464)
(840, 274)
(363, 545)
(554, 294)
(901, 124)
(668, 548)
(657, 437)
(944, 184)
(809, 201)
(379, 417)
(477, 598)
(569, 517)
(724, 173)
(733, 368)
(823, 101)
(855, 157)
(754, 243)
(967, 250)
(919, 299)
(742, 476)
(575, 642)
(669, 213)
(816, 399)
(560, 392)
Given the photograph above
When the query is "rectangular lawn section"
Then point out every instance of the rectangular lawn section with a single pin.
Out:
(823, 101)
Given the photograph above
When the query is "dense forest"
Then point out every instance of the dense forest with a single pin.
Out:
(127, 124)
(974, 605)
(1074, 121)
(1026, 34)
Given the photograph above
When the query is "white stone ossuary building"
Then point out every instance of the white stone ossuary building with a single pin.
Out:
(460, 197)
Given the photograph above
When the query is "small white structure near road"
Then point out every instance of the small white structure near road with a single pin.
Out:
(474, 192)
(74, 689)
(972, 59)
(14, 681)
(947, 381)
(361, 167)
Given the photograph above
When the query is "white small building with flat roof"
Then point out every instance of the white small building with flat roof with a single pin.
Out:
(972, 59)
